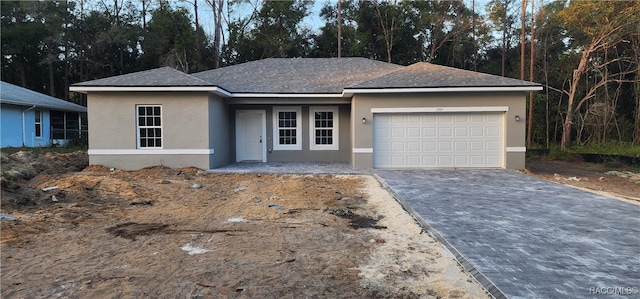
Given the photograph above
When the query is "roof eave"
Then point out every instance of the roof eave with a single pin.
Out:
(348, 92)
(86, 89)
(50, 107)
(286, 95)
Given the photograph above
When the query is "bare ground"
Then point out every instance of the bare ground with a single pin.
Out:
(622, 183)
(161, 232)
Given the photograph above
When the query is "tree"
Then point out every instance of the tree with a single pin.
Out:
(595, 27)
(273, 30)
(170, 38)
(502, 18)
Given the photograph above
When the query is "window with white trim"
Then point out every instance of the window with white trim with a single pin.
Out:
(287, 128)
(149, 126)
(323, 123)
(38, 123)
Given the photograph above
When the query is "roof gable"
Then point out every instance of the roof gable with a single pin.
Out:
(427, 75)
(164, 76)
(16, 95)
(296, 75)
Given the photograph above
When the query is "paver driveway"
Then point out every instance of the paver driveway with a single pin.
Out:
(531, 238)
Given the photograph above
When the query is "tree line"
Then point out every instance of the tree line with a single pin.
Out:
(586, 53)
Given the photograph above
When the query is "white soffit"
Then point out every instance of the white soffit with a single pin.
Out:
(350, 92)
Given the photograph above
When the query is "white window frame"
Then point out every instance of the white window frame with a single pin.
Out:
(138, 127)
(335, 129)
(276, 129)
(37, 123)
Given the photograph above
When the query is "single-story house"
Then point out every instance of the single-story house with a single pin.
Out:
(368, 113)
(33, 119)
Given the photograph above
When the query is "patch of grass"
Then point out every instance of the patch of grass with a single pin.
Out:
(624, 149)
(39, 150)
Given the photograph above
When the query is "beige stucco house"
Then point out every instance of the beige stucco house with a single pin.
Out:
(368, 113)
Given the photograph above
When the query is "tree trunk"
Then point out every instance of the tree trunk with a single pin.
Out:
(532, 42)
(522, 38)
(52, 85)
(573, 87)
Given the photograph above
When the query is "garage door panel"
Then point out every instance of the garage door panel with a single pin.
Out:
(438, 140)
(413, 132)
(445, 132)
(492, 146)
(460, 146)
(445, 146)
(477, 145)
(398, 146)
(493, 131)
(414, 146)
(429, 146)
(397, 132)
(461, 131)
(429, 132)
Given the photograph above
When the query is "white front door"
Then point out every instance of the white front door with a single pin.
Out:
(250, 135)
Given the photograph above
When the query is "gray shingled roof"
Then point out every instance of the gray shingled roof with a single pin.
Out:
(312, 76)
(296, 75)
(427, 75)
(16, 95)
(164, 76)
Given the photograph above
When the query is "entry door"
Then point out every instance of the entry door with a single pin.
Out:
(250, 135)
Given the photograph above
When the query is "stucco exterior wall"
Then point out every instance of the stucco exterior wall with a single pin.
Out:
(220, 132)
(514, 131)
(343, 154)
(185, 129)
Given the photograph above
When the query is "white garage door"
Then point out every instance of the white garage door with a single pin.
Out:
(457, 139)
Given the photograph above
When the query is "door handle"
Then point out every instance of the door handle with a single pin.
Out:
(260, 139)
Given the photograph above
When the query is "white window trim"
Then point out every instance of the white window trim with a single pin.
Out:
(276, 132)
(37, 133)
(138, 128)
(312, 129)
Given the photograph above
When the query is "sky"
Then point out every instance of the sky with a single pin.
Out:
(313, 20)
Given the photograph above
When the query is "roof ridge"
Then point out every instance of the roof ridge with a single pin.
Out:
(402, 67)
(192, 76)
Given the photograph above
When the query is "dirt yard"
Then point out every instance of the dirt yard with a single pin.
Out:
(183, 233)
(622, 183)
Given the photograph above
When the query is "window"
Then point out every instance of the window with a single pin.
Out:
(38, 123)
(64, 125)
(149, 126)
(286, 128)
(323, 123)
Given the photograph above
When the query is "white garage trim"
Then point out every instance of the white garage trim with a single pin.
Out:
(516, 149)
(150, 152)
(440, 109)
(363, 150)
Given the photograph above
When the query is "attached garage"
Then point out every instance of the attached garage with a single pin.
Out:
(438, 140)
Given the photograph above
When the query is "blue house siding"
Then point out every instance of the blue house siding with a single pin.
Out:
(10, 117)
(18, 109)
(17, 134)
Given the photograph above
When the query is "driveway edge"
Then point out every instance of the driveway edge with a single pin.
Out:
(467, 266)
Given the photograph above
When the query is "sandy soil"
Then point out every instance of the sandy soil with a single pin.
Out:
(183, 233)
(622, 183)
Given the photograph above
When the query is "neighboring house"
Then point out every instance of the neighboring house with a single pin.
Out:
(356, 110)
(32, 119)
